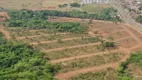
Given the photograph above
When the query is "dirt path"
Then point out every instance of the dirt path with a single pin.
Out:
(6, 33)
(45, 42)
(83, 56)
(131, 34)
(70, 47)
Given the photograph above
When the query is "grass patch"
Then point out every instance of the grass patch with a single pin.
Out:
(19, 4)
(72, 52)
(95, 7)
(107, 74)
(51, 37)
(89, 61)
(60, 43)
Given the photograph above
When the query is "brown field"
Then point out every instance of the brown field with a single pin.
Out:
(72, 50)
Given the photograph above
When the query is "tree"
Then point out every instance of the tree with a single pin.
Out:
(20, 62)
(75, 5)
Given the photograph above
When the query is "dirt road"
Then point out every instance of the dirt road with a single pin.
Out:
(6, 33)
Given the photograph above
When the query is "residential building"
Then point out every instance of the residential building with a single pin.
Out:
(94, 1)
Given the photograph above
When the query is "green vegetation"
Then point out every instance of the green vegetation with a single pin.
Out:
(105, 44)
(72, 52)
(96, 8)
(75, 5)
(139, 19)
(2, 38)
(108, 74)
(60, 43)
(124, 73)
(63, 5)
(38, 20)
(18, 61)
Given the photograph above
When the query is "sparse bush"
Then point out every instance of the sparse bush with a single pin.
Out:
(75, 5)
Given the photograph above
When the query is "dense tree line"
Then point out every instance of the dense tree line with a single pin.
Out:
(18, 61)
(134, 59)
(38, 20)
(75, 5)
(62, 5)
(109, 14)
(139, 19)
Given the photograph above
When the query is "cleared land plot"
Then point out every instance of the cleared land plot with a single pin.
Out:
(139, 48)
(81, 55)
(117, 35)
(128, 43)
(136, 33)
(55, 3)
(95, 7)
(89, 61)
(50, 37)
(107, 74)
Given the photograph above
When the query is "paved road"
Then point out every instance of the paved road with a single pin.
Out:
(125, 15)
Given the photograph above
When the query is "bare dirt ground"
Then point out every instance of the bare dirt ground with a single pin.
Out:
(5, 14)
(6, 33)
(3, 1)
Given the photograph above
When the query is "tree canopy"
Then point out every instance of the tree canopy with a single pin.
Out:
(39, 20)
(18, 61)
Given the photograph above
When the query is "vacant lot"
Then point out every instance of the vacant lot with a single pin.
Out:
(97, 8)
(79, 53)
(53, 4)
(19, 4)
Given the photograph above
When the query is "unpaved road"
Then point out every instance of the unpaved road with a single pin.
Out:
(6, 33)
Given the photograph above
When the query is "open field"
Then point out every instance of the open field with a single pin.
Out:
(53, 4)
(79, 53)
(97, 8)
(18, 4)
